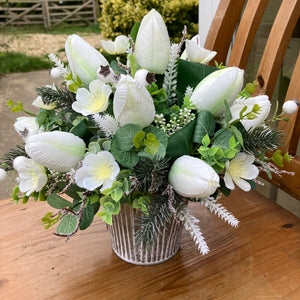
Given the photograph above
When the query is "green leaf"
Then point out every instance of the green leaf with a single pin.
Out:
(159, 134)
(87, 217)
(151, 143)
(228, 115)
(205, 125)
(223, 139)
(137, 140)
(134, 30)
(58, 202)
(180, 143)
(67, 225)
(206, 140)
(237, 134)
(125, 135)
(81, 129)
(41, 117)
(125, 158)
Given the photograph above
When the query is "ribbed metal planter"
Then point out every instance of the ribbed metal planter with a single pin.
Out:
(122, 234)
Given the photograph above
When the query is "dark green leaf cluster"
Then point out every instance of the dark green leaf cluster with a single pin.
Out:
(6, 161)
(261, 139)
(60, 96)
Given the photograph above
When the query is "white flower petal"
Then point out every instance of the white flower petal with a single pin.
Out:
(27, 127)
(243, 184)
(228, 181)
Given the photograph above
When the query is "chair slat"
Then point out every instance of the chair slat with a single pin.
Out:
(292, 127)
(276, 46)
(223, 27)
(246, 32)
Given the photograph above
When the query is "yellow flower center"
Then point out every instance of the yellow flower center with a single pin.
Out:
(102, 172)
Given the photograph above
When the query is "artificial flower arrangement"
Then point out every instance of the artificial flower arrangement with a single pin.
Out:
(146, 125)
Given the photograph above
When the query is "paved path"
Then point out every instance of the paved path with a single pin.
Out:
(18, 87)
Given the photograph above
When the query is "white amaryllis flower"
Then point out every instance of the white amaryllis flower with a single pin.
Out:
(240, 103)
(97, 170)
(84, 60)
(27, 127)
(239, 169)
(38, 102)
(92, 101)
(31, 175)
(193, 178)
(133, 104)
(290, 106)
(56, 150)
(195, 53)
(3, 175)
(153, 43)
(119, 46)
(210, 93)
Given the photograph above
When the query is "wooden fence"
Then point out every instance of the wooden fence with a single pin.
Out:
(51, 13)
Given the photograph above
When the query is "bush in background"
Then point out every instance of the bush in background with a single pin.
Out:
(118, 16)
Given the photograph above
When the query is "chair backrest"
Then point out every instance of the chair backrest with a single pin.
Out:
(234, 16)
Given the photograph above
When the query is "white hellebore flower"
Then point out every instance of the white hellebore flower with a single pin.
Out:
(93, 101)
(210, 93)
(240, 103)
(84, 60)
(27, 127)
(97, 170)
(38, 102)
(290, 106)
(56, 150)
(153, 43)
(238, 169)
(32, 176)
(196, 53)
(132, 103)
(119, 46)
(193, 178)
(3, 175)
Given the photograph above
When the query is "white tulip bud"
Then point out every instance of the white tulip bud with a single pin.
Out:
(56, 150)
(193, 178)
(290, 106)
(3, 175)
(153, 43)
(210, 93)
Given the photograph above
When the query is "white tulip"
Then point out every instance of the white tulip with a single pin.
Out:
(239, 104)
(56, 150)
(3, 175)
(84, 60)
(193, 178)
(239, 169)
(132, 103)
(290, 106)
(210, 93)
(27, 127)
(32, 176)
(196, 53)
(97, 170)
(153, 43)
(94, 100)
(119, 46)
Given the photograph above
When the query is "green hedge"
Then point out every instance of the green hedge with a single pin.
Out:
(118, 16)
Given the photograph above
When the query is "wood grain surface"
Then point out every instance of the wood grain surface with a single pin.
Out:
(260, 259)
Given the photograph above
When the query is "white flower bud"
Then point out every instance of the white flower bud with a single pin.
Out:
(290, 106)
(3, 175)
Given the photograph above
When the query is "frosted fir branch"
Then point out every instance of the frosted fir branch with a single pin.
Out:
(107, 124)
(267, 166)
(190, 224)
(220, 211)
(184, 32)
(57, 62)
(170, 76)
(188, 91)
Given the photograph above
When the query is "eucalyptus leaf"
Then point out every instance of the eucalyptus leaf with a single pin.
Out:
(87, 217)
(125, 135)
(67, 225)
(223, 139)
(58, 202)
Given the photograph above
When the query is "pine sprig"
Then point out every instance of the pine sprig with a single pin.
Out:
(261, 139)
(6, 161)
(60, 96)
(220, 211)
(191, 224)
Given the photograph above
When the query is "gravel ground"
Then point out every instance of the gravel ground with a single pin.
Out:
(39, 44)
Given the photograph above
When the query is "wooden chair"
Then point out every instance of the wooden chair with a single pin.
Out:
(234, 16)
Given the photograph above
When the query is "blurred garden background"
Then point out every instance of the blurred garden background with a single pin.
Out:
(31, 29)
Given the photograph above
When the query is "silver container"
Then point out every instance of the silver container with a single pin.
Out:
(122, 234)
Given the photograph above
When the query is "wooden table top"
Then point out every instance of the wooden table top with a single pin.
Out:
(259, 259)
